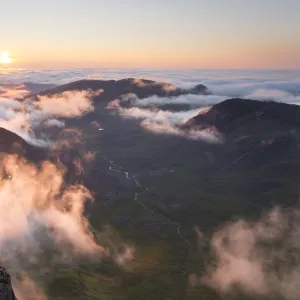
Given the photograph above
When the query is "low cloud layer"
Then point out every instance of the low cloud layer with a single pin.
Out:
(18, 91)
(168, 122)
(275, 95)
(13, 91)
(189, 99)
(24, 116)
(226, 83)
(258, 258)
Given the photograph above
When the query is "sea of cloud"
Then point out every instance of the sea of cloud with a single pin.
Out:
(279, 85)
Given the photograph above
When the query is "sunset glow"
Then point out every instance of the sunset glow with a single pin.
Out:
(176, 34)
(5, 58)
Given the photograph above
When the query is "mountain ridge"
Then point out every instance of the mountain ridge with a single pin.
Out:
(115, 88)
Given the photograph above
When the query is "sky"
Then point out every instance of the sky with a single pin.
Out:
(261, 34)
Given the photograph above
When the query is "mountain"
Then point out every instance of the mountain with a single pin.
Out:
(72, 158)
(199, 89)
(255, 131)
(35, 88)
(152, 190)
(249, 115)
(116, 88)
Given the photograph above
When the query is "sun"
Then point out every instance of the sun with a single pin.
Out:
(5, 58)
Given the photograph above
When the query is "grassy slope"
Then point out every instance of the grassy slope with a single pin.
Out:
(208, 183)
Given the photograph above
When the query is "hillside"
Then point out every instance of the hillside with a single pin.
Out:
(152, 190)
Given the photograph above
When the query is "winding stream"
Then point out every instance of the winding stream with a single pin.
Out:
(136, 199)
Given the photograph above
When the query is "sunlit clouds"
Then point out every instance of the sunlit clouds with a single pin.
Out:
(23, 117)
(258, 258)
(166, 122)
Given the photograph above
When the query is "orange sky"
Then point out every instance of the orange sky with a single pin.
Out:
(173, 34)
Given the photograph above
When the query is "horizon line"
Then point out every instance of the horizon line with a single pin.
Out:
(149, 68)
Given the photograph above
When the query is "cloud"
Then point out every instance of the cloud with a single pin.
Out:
(224, 83)
(207, 135)
(274, 95)
(167, 87)
(65, 105)
(41, 213)
(155, 114)
(19, 91)
(23, 117)
(235, 88)
(7, 103)
(161, 127)
(54, 123)
(288, 80)
(30, 202)
(189, 99)
(13, 91)
(168, 122)
(258, 258)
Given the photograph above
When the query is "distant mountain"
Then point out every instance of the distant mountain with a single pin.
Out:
(35, 88)
(115, 88)
(199, 89)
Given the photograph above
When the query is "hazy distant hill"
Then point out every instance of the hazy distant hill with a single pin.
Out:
(115, 88)
(35, 88)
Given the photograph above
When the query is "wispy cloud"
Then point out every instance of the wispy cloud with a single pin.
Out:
(259, 257)
(168, 122)
(274, 95)
(189, 99)
(13, 91)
